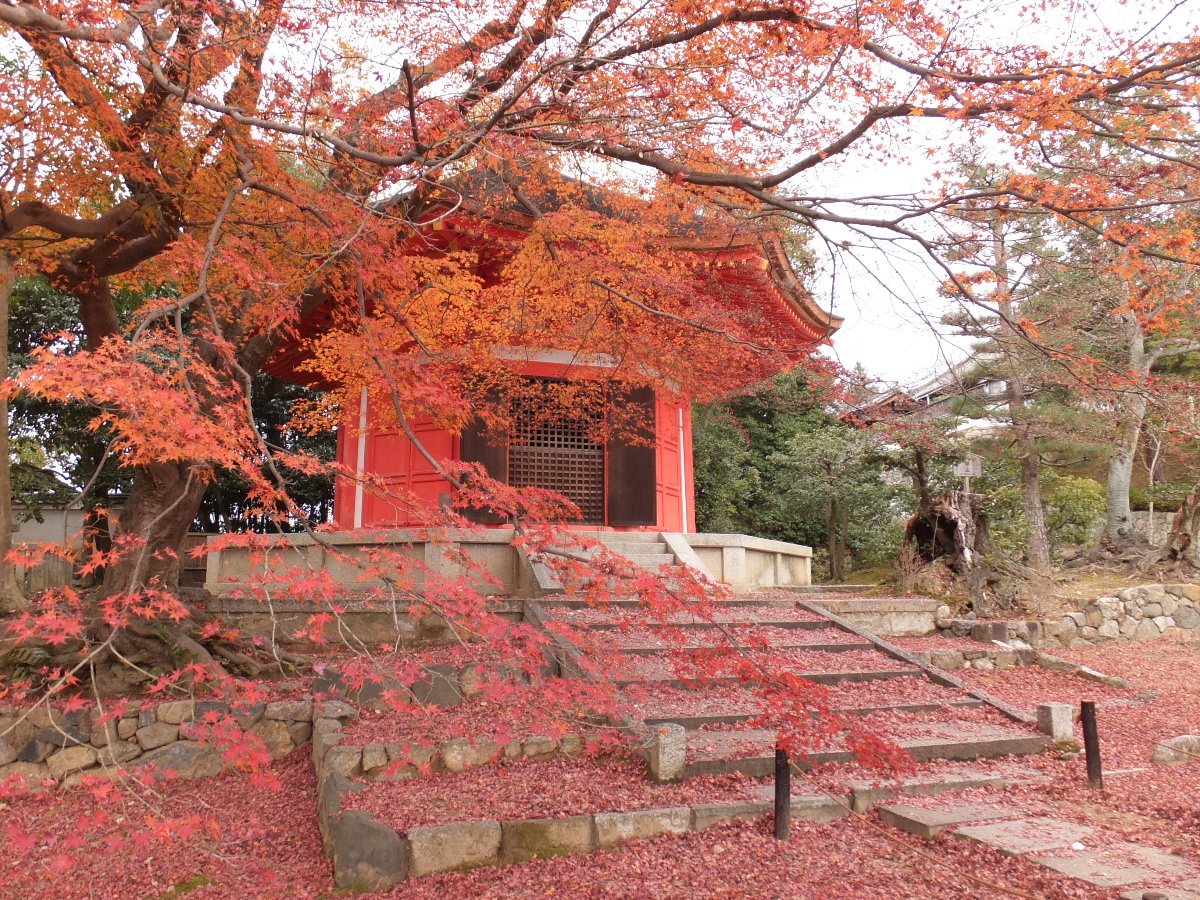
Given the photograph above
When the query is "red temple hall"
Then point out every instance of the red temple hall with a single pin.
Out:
(622, 484)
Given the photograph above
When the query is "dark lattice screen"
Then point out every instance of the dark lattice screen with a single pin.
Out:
(559, 457)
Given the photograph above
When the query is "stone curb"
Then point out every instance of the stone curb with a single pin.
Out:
(369, 856)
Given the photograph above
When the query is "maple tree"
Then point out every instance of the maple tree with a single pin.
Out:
(253, 163)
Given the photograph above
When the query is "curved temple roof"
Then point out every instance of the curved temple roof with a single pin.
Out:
(750, 271)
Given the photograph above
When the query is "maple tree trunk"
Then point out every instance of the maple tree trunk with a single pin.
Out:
(159, 511)
(10, 591)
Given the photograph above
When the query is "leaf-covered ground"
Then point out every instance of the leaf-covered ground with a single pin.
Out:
(229, 837)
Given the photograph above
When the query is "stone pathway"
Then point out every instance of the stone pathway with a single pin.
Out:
(1084, 852)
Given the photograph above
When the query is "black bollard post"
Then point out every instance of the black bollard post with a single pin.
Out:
(783, 795)
(1091, 745)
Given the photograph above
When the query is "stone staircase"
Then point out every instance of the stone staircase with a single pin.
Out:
(646, 549)
(930, 713)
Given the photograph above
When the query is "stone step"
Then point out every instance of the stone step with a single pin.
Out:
(693, 723)
(822, 648)
(625, 546)
(795, 626)
(735, 603)
(827, 588)
(761, 765)
(814, 677)
(650, 560)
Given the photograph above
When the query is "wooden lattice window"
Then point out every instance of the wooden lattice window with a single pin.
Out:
(560, 457)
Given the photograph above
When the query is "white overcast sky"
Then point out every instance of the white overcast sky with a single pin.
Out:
(889, 300)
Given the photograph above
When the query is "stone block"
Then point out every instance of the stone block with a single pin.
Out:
(1033, 835)
(1128, 626)
(1092, 868)
(158, 734)
(35, 751)
(1004, 659)
(343, 761)
(1186, 617)
(367, 855)
(185, 759)
(455, 847)
(1177, 751)
(373, 757)
(1153, 593)
(103, 734)
(1184, 591)
(439, 687)
(1169, 606)
(8, 753)
(127, 728)
(571, 745)
(668, 752)
(248, 715)
(70, 759)
(1057, 720)
(986, 632)
(209, 710)
(950, 660)
(470, 680)
(974, 654)
(322, 741)
(1109, 630)
(1092, 616)
(983, 664)
(343, 712)
(329, 805)
(46, 717)
(177, 712)
(1088, 633)
(928, 823)
(17, 732)
(301, 732)
(1146, 631)
(30, 774)
(460, 754)
(1110, 607)
(613, 828)
(962, 627)
(705, 815)
(275, 736)
(289, 711)
(816, 808)
(1162, 623)
(1151, 610)
(117, 753)
(544, 838)
(539, 747)
(63, 737)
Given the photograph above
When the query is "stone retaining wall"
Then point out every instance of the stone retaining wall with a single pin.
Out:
(403, 760)
(49, 744)
(1141, 613)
